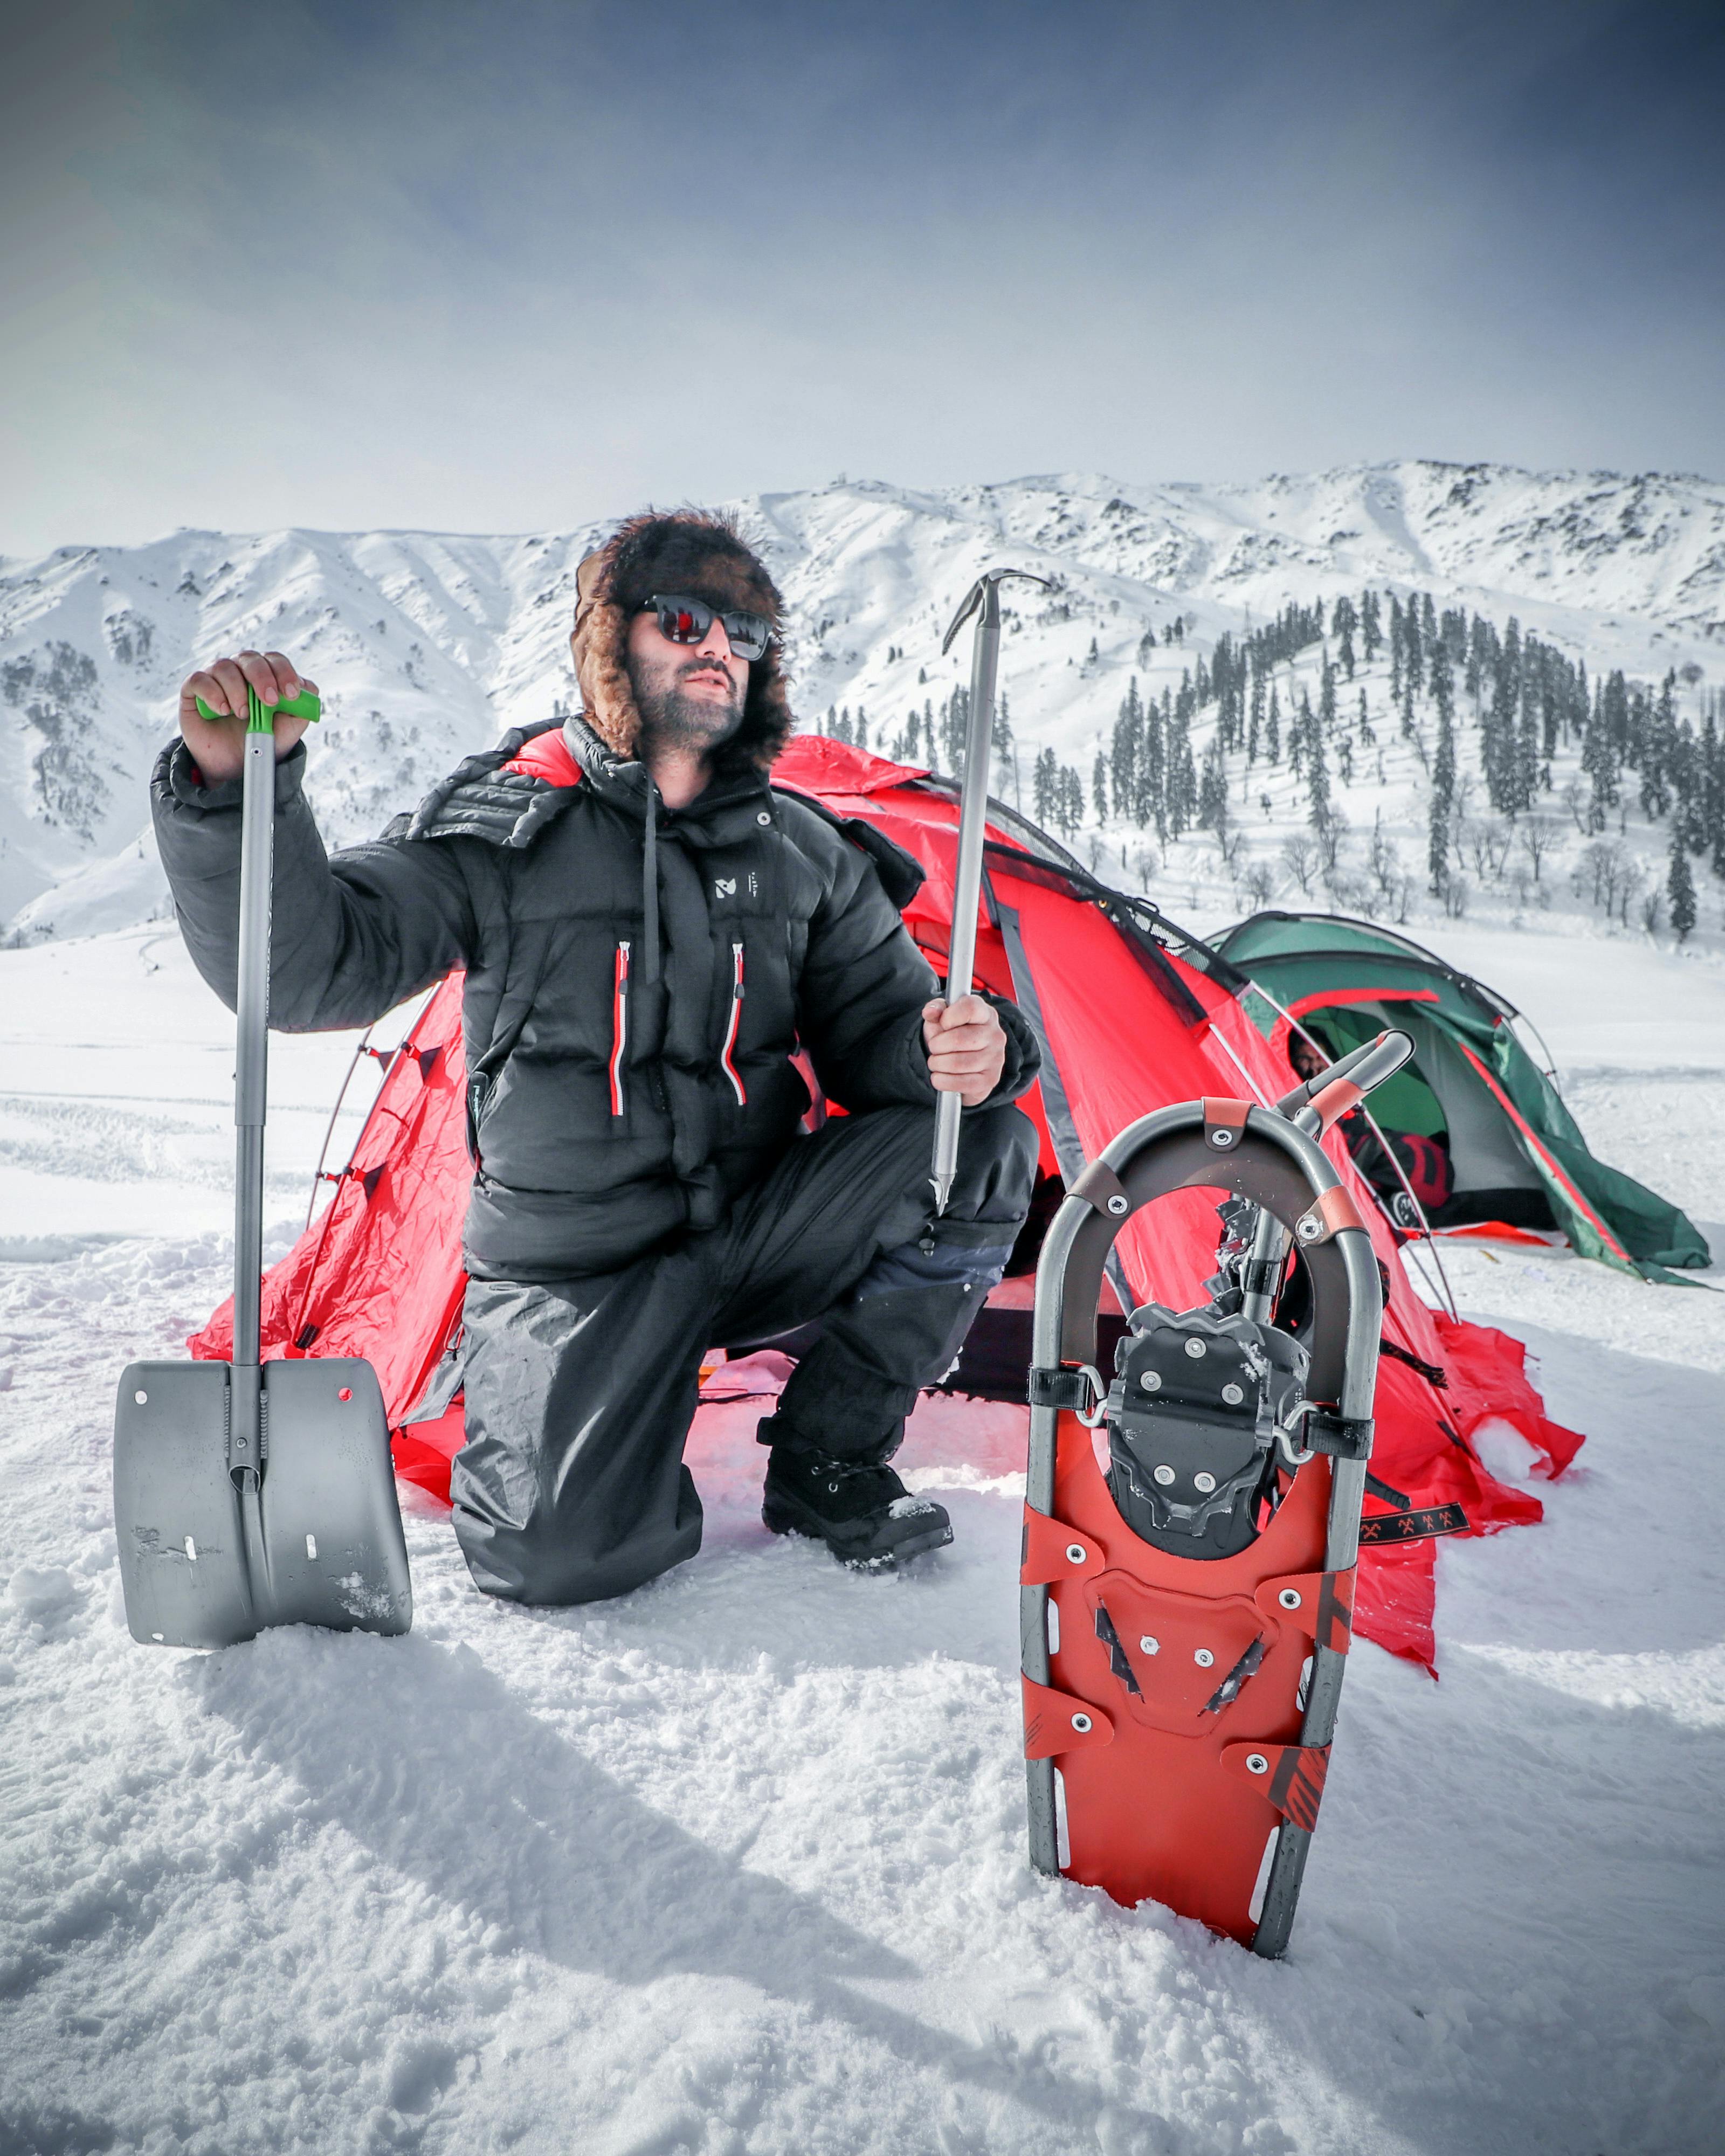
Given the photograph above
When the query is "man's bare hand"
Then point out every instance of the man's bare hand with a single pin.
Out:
(966, 1048)
(218, 745)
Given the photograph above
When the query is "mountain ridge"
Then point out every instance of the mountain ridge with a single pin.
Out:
(428, 643)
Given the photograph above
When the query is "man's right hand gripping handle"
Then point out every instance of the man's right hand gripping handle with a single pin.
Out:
(217, 743)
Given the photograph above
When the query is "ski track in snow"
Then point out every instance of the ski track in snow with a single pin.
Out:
(736, 1863)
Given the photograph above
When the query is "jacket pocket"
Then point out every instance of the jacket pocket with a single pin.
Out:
(733, 1021)
(619, 1025)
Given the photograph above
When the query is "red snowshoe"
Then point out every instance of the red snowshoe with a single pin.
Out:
(1185, 1608)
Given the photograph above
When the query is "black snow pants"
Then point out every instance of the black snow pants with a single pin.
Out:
(579, 1393)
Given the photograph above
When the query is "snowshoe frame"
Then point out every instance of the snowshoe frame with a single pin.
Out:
(1209, 1804)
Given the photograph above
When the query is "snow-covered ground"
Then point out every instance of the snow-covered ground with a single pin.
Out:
(736, 1863)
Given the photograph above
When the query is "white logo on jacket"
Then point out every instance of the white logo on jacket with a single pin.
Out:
(724, 886)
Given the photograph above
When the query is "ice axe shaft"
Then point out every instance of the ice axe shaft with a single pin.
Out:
(983, 600)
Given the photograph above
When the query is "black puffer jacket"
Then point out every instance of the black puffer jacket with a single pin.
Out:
(629, 1030)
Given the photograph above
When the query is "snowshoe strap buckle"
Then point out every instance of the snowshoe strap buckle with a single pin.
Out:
(1079, 1392)
(1343, 1437)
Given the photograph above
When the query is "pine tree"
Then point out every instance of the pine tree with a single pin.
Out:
(1182, 782)
(1318, 776)
(1043, 786)
(1327, 699)
(1272, 731)
(1099, 786)
(1344, 620)
(1443, 790)
(1680, 890)
(1371, 630)
(1213, 792)
(1125, 753)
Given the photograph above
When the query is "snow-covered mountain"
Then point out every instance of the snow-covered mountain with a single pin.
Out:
(427, 646)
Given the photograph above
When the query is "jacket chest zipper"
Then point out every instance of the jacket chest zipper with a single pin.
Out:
(734, 1022)
(620, 1025)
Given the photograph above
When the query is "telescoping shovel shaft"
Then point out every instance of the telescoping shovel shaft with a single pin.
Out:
(247, 1495)
(983, 600)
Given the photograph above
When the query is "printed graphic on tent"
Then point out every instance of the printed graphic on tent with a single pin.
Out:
(1126, 1025)
(1515, 1158)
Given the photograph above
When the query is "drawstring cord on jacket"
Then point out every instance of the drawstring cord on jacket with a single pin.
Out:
(649, 883)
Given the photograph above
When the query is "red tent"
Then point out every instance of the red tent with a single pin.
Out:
(1126, 1027)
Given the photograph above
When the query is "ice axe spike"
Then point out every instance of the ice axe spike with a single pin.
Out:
(982, 599)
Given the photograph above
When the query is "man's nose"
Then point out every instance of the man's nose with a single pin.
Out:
(716, 644)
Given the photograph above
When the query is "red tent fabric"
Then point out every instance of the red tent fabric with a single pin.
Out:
(1127, 1027)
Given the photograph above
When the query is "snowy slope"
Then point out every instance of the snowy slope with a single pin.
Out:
(428, 645)
(736, 1864)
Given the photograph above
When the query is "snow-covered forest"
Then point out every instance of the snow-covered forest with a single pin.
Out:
(1414, 690)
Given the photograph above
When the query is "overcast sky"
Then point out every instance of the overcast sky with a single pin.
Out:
(505, 267)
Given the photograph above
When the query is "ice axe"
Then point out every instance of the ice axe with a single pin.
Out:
(982, 599)
(248, 1494)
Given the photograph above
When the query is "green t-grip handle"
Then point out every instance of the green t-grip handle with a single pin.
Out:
(261, 717)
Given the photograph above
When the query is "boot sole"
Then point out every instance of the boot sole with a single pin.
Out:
(781, 1520)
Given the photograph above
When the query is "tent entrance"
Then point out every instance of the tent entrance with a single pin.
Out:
(1438, 1098)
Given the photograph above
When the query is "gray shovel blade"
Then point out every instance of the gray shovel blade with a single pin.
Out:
(204, 1563)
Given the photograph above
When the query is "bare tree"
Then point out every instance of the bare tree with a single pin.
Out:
(1456, 893)
(1383, 861)
(1300, 858)
(1349, 893)
(1331, 828)
(1540, 837)
(1600, 873)
(1488, 840)
(1258, 885)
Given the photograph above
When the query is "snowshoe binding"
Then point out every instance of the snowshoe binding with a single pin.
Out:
(1186, 1621)
(858, 1508)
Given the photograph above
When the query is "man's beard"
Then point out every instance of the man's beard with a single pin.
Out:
(671, 718)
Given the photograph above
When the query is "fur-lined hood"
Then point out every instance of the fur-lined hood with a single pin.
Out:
(698, 551)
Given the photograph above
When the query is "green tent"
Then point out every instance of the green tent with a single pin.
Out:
(1517, 1154)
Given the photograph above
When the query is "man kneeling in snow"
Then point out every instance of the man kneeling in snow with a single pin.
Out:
(649, 932)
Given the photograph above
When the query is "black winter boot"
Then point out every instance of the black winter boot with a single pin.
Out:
(858, 1508)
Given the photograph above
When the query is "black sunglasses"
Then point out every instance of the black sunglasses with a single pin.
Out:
(684, 620)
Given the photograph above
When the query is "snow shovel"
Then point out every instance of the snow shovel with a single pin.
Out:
(250, 1494)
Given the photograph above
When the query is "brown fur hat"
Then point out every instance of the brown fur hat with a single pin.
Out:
(699, 552)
